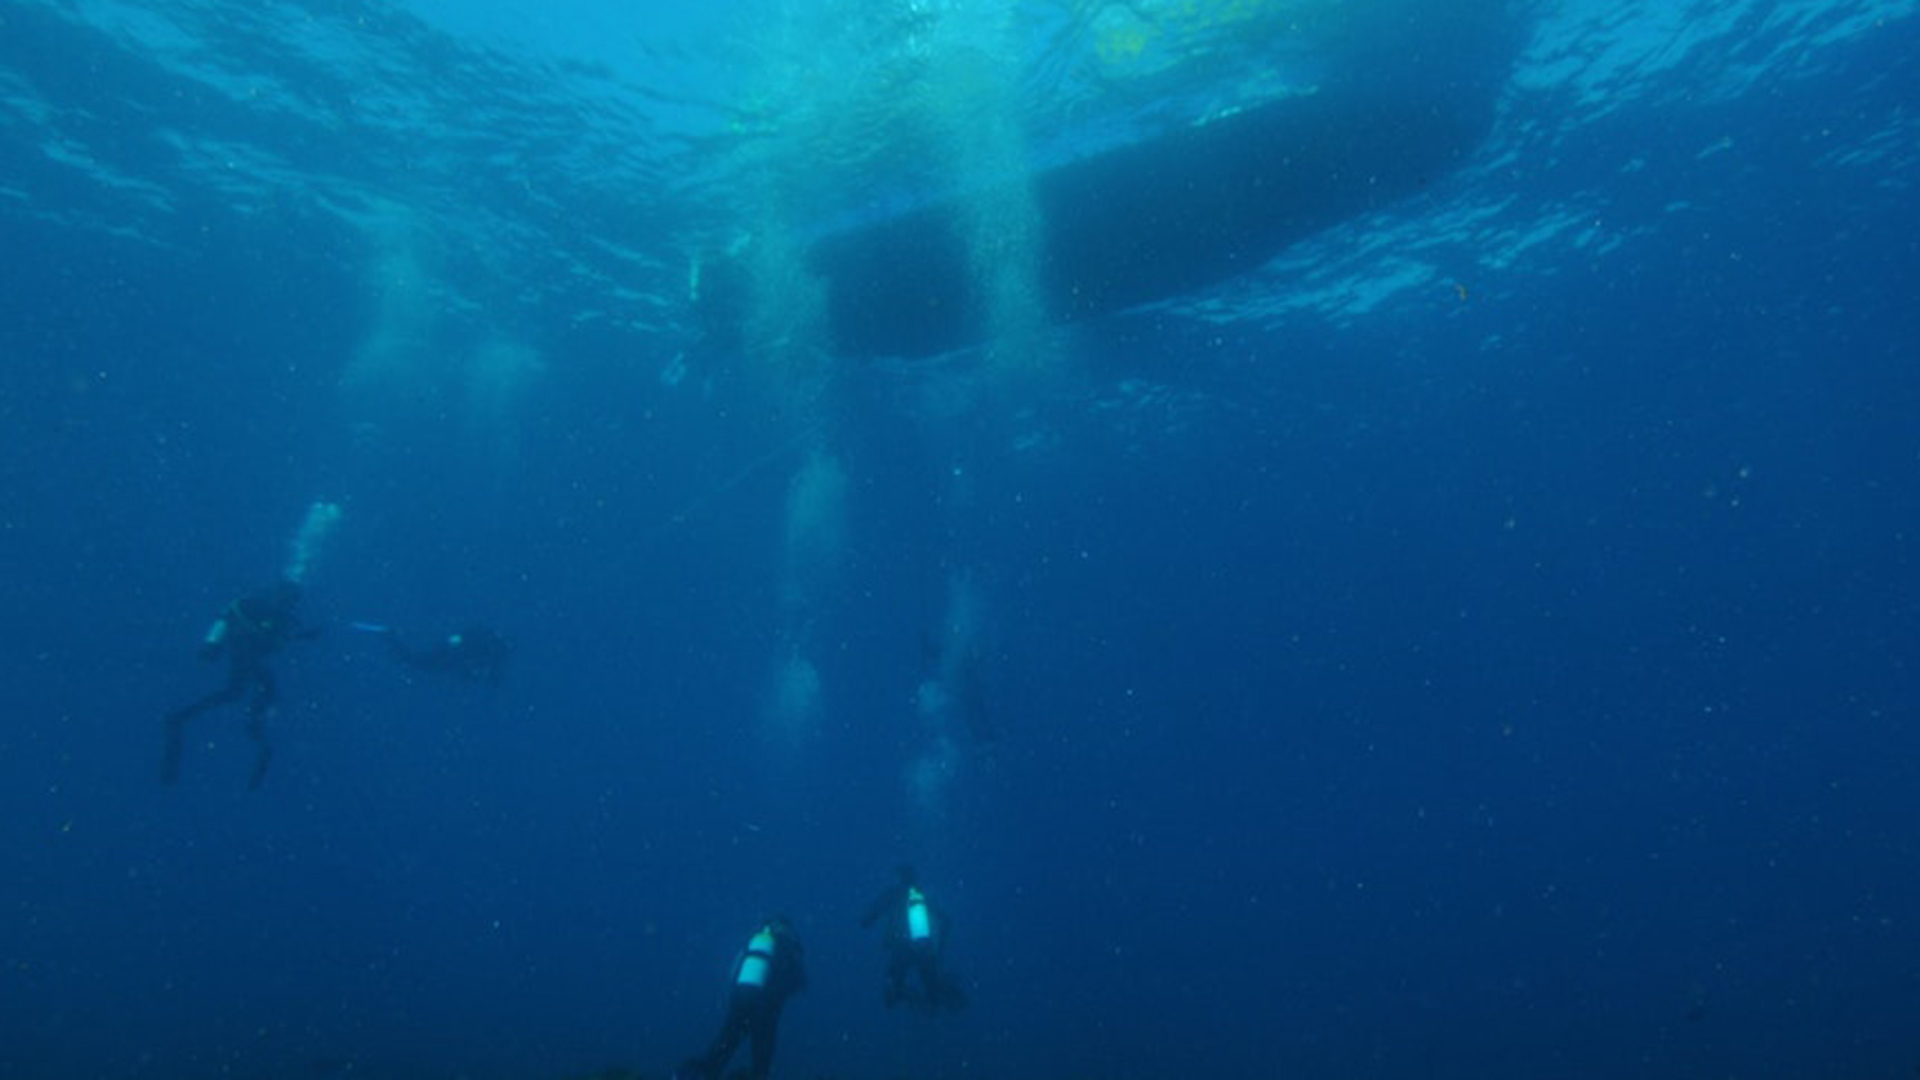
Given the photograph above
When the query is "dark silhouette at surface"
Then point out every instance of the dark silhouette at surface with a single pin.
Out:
(250, 631)
(771, 970)
(970, 698)
(475, 654)
(1175, 211)
(959, 673)
(915, 939)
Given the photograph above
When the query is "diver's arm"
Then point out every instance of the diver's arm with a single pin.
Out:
(886, 900)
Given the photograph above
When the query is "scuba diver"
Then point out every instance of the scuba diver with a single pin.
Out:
(956, 686)
(474, 654)
(252, 629)
(771, 970)
(915, 938)
(970, 698)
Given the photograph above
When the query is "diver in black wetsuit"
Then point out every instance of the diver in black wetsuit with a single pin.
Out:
(916, 936)
(474, 654)
(771, 970)
(252, 629)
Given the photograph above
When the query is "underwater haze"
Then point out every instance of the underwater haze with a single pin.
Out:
(1342, 539)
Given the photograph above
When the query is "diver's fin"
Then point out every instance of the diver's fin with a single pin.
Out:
(260, 762)
(175, 744)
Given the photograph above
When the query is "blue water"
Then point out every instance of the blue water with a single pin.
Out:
(1476, 641)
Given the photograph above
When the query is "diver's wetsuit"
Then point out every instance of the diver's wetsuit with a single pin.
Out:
(916, 935)
(771, 970)
(252, 629)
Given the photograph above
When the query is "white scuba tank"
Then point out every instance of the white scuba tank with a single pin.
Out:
(759, 959)
(919, 921)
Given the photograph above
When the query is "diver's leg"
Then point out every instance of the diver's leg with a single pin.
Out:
(266, 691)
(715, 1059)
(264, 695)
(235, 689)
(176, 722)
(896, 988)
(765, 1030)
(945, 989)
(929, 975)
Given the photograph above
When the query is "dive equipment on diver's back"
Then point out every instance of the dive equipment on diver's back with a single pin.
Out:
(919, 924)
(759, 958)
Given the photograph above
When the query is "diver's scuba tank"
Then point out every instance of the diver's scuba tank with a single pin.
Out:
(919, 920)
(758, 961)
